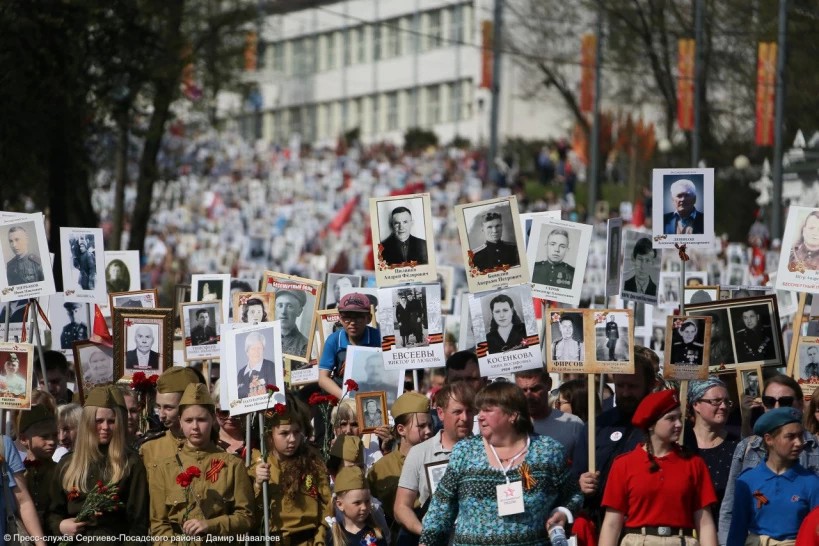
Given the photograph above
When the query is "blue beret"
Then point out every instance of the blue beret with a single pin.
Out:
(775, 418)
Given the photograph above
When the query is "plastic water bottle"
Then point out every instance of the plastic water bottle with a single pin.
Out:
(558, 536)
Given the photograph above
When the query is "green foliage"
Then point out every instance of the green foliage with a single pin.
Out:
(417, 139)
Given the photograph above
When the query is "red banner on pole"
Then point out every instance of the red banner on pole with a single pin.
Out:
(486, 54)
(588, 52)
(765, 93)
(685, 83)
(251, 51)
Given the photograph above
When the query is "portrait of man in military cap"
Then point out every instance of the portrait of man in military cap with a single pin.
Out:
(496, 250)
(24, 264)
(553, 269)
(296, 300)
(753, 334)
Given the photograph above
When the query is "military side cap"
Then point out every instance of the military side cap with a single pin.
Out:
(300, 296)
(196, 394)
(348, 448)
(354, 302)
(410, 402)
(37, 414)
(654, 406)
(349, 478)
(105, 397)
(175, 379)
(775, 418)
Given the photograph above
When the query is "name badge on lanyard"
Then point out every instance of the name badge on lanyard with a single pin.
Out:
(509, 495)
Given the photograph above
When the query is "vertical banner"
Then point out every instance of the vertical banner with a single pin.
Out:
(685, 83)
(486, 54)
(765, 93)
(588, 52)
(251, 51)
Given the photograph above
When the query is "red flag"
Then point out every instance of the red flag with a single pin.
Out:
(100, 334)
(588, 52)
(765, 93)
(685, 83)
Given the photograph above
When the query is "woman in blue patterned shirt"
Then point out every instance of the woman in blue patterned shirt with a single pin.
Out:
(505, 486)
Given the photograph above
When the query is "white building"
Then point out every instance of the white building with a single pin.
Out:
(383, 66)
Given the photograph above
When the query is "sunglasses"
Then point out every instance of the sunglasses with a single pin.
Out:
(783, 401)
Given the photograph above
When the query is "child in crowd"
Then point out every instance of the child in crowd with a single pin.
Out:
(354, 502)
(37, 431)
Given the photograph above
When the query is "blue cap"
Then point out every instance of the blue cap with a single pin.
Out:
(775, 418)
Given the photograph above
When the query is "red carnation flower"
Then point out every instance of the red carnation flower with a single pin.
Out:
(183, 479)
(280, 409)
(194, 472)
(272, 388)
(351, 385)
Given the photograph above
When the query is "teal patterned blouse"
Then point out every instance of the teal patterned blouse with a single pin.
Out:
(466, 497)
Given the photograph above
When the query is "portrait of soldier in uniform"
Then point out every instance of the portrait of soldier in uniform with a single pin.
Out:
(14, 382)
(755, 341)
(805, 251)
(810, 365)
(74, 330)
(289, 306)
(401, 246)
(84, 260)
(687, 350)
(202, 333)
(612, 335)
(24, 267)
(570, 345)
(117, 277)
(685, 219)
(553, 271)
(495, 252)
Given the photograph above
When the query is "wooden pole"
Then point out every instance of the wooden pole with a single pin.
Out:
(265, 485)
(592, 424)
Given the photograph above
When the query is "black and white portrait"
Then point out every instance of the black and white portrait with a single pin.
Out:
(94, 363)
(145, 299)
(24, 262)
(808, 360)
(721, 348)
(492, 238)
(641, 269)
(411, 318)
(613, 254)
(505, 327)
(83, 264)
(296, 303)
(688, 341)
(567, 337)
(558, 253)
(253, 307)
(401, 225)
(751, 383)
(143, 352)
(121, 271)
(612, 337)
(372, 410)
(753, 333)
(335, 283)
(201, 324)
(368, 371)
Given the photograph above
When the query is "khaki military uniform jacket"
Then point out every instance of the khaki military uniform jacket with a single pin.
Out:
(383, 480)
(39, 475)
(299, 520)
(159, 449)
(225, 504)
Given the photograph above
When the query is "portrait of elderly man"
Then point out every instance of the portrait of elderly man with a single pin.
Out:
(24, 267)
(495, 252)
(685, 218)
(289, 307)
(401, 246)
(99, 369)
(257, 372)
(142, 356)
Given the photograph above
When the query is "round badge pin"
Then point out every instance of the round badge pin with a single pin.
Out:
(616, 435)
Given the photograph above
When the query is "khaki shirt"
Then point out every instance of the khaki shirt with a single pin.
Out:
(159, 449)
(304, 513)
(383, 479)
(225, 505)
(38, 478)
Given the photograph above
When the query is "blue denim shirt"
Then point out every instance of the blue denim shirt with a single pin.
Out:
(749, 453)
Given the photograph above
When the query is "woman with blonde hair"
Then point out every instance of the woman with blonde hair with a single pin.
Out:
(101, 454)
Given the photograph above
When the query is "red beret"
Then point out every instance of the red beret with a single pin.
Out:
(654, 406)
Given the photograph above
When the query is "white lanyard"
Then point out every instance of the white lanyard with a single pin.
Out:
(512, 460)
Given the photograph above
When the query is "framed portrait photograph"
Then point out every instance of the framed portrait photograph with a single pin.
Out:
(798, 261)
(614, 238)
(328, 321)
(365, 365)
(683, 207)
(253, 307)
(669, 296)
(143, 341)
(492, 244)
(17, 374)
(557, 255)
(69, 323)
(412, 328)
(565, 346)
(734, 275)
(251, 359)
(83, 264)
(805, 369)
(405, 248)
(138, 299)
(749, 326)
(641, 268)
(689, 354)
(93, 366)
(295, 304)
(505, 329)
(750, 380)
(371, 409)
(121, 271)
(435, 473)
(335, 283)
(700, 294)
(212, 287)
(201, 324)
(27, 272)
(613, 333)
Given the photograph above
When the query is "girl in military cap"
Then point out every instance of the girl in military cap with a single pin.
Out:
(772, 499)
(354, 501)
(299, 487)
(100, 453)
(661, 492)
(200, 490)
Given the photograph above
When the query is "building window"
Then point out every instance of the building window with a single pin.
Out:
(392, 111)
(434, 31)
(331, 51)
(278, 129)
(455, 101)
(298, 57)
(346, 47)
(393, 38)
(456, 29)
(278, 56)
(433, 104)
(376, 42)
(310, 124)
(376, 121)
(295, 121)
(360, 45)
